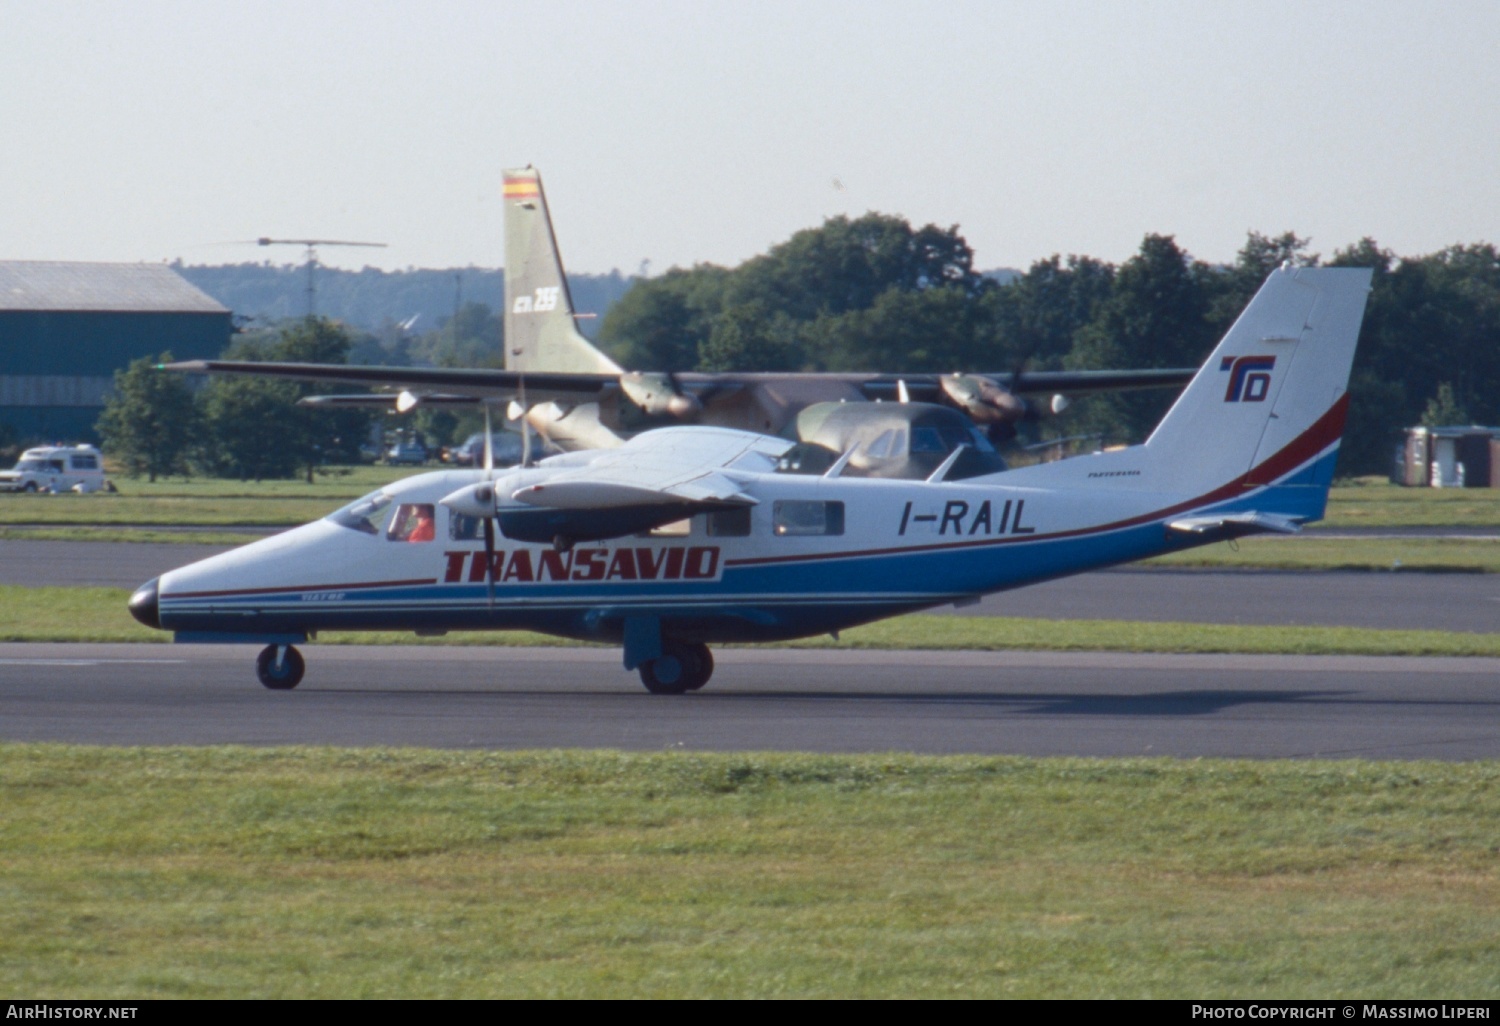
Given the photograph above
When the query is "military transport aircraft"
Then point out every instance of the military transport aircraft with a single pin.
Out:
(578, 398)
(690, 535)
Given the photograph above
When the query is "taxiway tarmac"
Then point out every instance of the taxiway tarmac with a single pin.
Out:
(1098, 704)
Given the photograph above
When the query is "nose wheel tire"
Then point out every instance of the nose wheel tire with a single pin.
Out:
(681, 668)
(280, 667)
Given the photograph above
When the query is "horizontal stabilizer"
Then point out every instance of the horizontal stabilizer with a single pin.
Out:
(1235, 525)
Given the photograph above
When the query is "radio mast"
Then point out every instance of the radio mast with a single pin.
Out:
(311, 246)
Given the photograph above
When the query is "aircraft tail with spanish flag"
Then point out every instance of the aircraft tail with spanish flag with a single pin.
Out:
(540, 333)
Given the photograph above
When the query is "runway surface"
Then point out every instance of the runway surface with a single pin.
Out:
(1098, 704)
(1389, 601)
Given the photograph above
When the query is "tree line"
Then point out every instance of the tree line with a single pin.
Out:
(875, 293)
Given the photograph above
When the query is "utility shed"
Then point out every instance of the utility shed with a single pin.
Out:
(65, 328)
(1449, 457)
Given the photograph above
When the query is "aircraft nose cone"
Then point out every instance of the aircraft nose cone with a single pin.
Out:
(143, 604)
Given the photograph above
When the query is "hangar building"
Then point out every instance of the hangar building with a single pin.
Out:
(65, 328)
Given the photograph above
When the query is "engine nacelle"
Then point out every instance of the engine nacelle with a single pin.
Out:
(657, 395)
(985, 401)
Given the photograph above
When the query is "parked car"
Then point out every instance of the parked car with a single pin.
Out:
(409, 453)
(506, 446)
(56, 468)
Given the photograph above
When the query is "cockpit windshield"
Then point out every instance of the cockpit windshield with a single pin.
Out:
(366, 514)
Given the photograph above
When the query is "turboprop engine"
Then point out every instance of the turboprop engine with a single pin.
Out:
(657, 395)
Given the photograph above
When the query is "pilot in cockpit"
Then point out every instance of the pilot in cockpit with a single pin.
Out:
(413, 522)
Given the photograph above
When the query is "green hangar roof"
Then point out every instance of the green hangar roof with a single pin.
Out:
(38, 285)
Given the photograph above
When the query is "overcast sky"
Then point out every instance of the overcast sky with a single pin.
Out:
(682, 132)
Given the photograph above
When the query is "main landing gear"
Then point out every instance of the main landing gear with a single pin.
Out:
(280, 667)
(681, 667)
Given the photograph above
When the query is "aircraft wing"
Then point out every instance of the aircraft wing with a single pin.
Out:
(679, 465)
(382, 401)
(927, 387)
(563, 386)
(653, 479)
(451, 382)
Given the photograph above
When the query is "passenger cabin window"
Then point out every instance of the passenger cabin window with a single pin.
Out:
(807, 517)
(730, 523)
(85, 463)
(413, 522)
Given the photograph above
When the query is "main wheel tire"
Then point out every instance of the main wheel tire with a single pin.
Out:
(704, 668)
(665, 675)
(281, 674)
(681, 667)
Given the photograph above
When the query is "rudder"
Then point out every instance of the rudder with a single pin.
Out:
(1272, 397)
(539, 331)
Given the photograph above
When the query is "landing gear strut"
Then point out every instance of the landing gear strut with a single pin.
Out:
(280, 667)
(681, 667)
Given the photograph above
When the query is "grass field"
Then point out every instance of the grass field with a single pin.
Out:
(1310, 552)
(1375, 502)
(290, 873)
(98, 615)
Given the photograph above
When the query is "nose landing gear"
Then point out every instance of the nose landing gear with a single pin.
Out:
(280, 667)
(680, 668)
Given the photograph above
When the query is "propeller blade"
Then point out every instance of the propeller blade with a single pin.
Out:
(525, 424)
(489, 445)
(489, 559)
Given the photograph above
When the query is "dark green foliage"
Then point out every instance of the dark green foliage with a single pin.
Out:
(473, 338)
(875, 294)
(746, 337)
(847, 265)
(871, 293)
(1431, 320)
(659, 323)
(1443, 410)
(255, 429)
(150, 423)
(940, 329)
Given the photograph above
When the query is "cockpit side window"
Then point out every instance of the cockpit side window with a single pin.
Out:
(462, 528)
(412, 522)
(884, 447)
(365, 515)
(927, 439)
(979, 442)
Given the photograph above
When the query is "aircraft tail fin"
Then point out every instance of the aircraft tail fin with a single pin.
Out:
(540, 334)
(1268, 407)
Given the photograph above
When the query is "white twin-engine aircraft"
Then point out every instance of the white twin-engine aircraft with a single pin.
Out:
(689, 535)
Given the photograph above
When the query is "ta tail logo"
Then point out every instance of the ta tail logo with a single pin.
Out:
(1249, 378)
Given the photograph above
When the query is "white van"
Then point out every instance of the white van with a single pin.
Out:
(56, 468)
